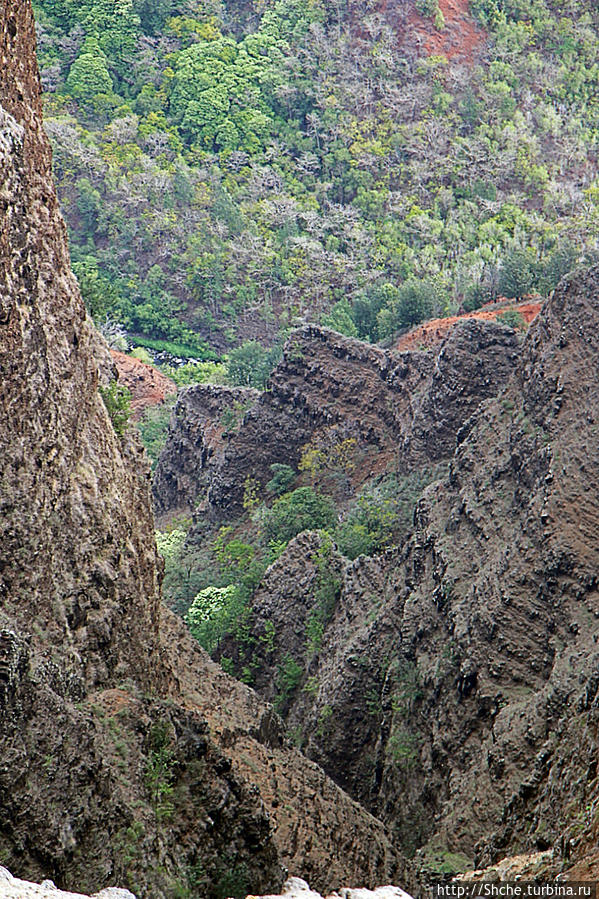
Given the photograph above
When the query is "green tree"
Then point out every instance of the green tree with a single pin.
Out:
(98, 292)
(117, 400)
(250, 364)
(116, 25)
(154, 13)
(88, 76)
(302, 510)
(153, 429)
(283, 477)
(216, 95)
(517, 274)
(413, 302)
(340, 319)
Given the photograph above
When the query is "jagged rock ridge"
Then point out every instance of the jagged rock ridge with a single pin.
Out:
(330, 387)
(454, 690)
(463, 664)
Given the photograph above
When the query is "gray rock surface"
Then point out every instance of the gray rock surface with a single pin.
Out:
(296, 888)
(13, 888)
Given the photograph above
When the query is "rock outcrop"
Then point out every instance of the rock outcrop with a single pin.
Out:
(296, 888)
(13, 888)
(148, 386)
(113, 769)
(328, 388)
(320, 831)
(455, 689)
(198, 435)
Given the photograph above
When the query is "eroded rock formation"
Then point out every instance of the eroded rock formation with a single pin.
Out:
(331, 388)
(113, 766)
(454, 690)
(198, 436)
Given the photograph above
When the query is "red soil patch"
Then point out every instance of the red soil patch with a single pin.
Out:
(148, 386)
(461, 38)
(431, 333)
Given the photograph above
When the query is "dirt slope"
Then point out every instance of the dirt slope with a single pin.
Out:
(148, 386)
(431, 333)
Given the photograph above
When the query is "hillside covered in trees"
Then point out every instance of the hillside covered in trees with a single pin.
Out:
(229, 169)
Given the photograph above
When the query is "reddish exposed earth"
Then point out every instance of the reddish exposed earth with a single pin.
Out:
(460, 38)
(431, 333)
(148, 386)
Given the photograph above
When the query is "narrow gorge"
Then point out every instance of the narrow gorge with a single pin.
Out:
(391, 554)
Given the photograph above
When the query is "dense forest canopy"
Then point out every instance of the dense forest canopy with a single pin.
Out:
(228, 169)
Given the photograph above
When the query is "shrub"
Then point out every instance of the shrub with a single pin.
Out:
(354, 539)
(153, 429)
(512, 318)
(289, 676)
(427, 7)
(302, 510)
(328, 586)
(382, 512)
(415, 300)
(517, 274)
(195, 373)
(142, 354)
(159, 774)
(283, 477)
(232, 416)
(210, 614)
(250, 364)
(117, 400)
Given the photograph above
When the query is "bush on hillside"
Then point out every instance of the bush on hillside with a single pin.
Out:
(301, 510)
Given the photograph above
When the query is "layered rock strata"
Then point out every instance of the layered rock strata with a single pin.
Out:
(330, 388)
(454, 690)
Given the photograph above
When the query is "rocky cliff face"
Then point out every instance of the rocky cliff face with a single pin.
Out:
(79, 578)
(202, 420)
(112, 768)
(455, 687)
(327, 389)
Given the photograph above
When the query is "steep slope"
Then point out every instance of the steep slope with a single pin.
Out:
(79, 579)
(328, 389)
(196, 444)
(455, 688)
(450, 683)
(148, 386)
(431, 333)
(108, 773)
(319, 829)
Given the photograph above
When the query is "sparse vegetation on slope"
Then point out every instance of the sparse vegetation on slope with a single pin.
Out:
(228, 170)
